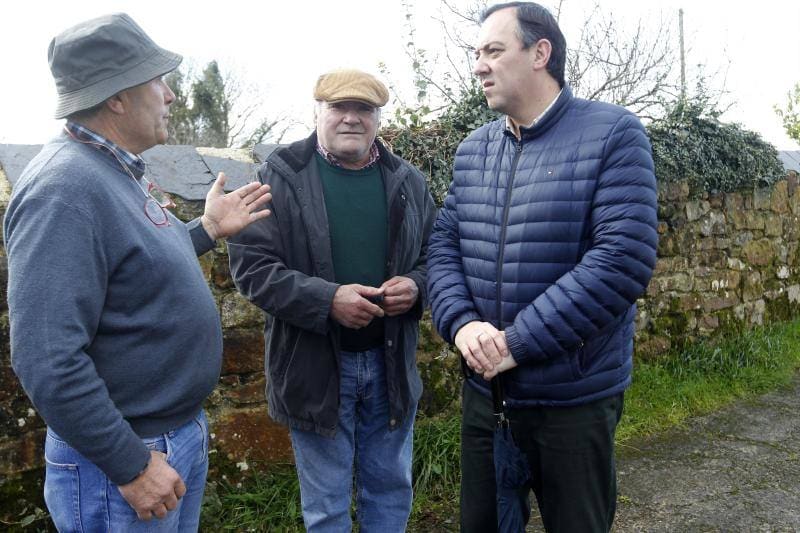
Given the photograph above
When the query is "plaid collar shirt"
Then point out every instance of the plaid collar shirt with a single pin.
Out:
(374, 155)
(83, 134)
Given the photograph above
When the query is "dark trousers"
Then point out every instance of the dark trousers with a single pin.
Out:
(571, 454)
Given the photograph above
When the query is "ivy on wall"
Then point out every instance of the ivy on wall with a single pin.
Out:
(713, 156)
(688, 143)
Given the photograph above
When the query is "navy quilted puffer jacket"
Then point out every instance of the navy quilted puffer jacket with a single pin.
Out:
(551, 239)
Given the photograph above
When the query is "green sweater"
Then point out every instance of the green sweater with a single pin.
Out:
(355, 202)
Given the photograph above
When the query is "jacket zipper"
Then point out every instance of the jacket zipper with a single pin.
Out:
(503, 228)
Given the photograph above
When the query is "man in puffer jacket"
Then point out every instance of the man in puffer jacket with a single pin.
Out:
(545, 241)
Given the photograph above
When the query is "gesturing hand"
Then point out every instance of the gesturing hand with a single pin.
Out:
(227, 214)
(352, 309)
(400, 293)
(156, 491)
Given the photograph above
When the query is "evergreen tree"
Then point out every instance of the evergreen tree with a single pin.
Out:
(181, 128)
(210, 108)
(203, 111)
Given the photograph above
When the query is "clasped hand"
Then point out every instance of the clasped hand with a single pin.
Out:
(484, 349)
(354, 306)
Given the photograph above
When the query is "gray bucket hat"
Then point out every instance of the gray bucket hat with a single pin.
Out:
(94, 60)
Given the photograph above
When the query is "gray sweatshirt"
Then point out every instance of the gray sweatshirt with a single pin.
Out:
(114, 332)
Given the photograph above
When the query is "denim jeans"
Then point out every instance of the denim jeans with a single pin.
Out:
(363, 443)
(81, 498)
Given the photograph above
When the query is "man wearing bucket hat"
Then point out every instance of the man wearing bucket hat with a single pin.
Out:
(115, 335)
(339, 271)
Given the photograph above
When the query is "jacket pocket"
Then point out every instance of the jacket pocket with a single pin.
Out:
(594, 355)
(303, 376)
(282, 341)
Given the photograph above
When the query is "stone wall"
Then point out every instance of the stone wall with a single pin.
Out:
(725, 261)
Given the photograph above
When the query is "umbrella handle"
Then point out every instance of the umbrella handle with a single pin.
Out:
(498, 398)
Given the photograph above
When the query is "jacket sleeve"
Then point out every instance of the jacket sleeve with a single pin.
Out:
(617, 265)
(420, 271)
(451, 301)
(258, 262)
(57, 282)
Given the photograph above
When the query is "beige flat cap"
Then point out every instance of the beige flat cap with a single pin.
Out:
(351, 84)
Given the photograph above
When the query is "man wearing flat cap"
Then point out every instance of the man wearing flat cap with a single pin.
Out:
(115, 335)
(339, 270)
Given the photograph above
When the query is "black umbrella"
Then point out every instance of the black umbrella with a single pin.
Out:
(511, 469)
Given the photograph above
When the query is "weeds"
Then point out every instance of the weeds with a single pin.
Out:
(267, 501)
(436, 471)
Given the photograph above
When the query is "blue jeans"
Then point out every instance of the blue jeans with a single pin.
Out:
(382, 458)
(81, 498)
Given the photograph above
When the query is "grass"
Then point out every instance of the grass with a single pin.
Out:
(706, 376)
(436, 471)
(665, 393)
(271, 501)
(267, 501)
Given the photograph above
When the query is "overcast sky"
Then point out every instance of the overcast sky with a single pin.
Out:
(281, 47)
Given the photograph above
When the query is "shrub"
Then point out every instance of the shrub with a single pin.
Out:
(691, 143)
(431, 145)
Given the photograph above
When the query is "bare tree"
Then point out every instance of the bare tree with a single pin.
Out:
(635, 67)
(442, 76)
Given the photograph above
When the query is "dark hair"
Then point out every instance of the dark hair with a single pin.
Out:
(535, 22)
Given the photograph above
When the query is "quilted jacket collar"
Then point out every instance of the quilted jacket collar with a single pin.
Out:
(551, 117)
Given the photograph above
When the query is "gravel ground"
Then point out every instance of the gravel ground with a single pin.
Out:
(734, 470)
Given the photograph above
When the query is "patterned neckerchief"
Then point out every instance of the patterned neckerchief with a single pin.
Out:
(374, 155)
(135, 163)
